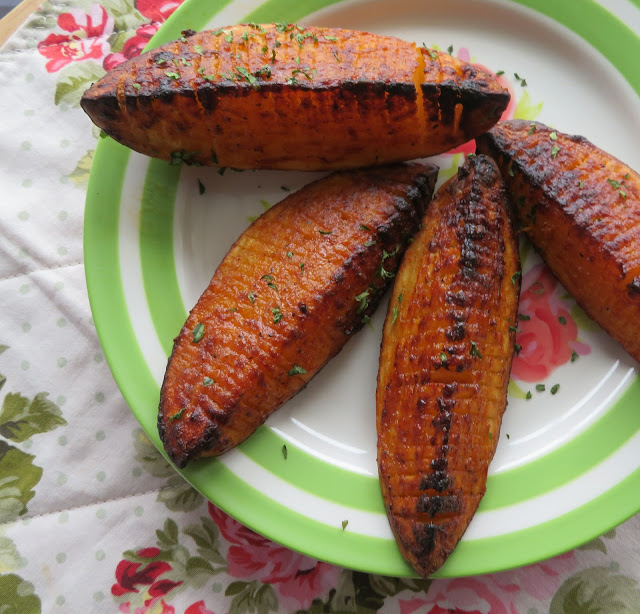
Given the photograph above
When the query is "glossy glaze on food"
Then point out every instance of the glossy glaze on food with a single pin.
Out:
(445, 359)
(283, 96)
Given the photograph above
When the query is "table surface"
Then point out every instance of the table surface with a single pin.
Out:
(93, 519)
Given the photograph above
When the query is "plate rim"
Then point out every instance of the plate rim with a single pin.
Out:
(96, 269)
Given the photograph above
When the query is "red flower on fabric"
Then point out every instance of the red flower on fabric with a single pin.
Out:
(550, 335)
(157, 11)
(130, 577)
(298, 579)
(87, 38)
(198, 608)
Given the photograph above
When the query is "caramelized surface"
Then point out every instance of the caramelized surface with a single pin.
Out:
(580, 207)
(288, 97)
(294, 287)
(444, 368)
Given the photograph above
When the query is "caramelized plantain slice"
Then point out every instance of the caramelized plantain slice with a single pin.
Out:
(289, 294)
(580, 207)
(445, 359)
(284, 96)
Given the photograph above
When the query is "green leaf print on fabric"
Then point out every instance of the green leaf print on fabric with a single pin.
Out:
(10, 558)
(21, 418)
(74, 80)
(251, 597)
(125, 18)
(80, 174)
(598, 542)
(177, 494)
(17, 482)
(596, 590)
(16, 596)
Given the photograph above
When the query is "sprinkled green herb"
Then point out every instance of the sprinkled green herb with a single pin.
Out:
(617, 185)
(217, 32)
(178, 157)
(270, 283)
(540, 388)
(474, 350)
(302, 266)
(554, 151)
(229, 37)
(532, 129)
(508, 436)
(199, 49)
(198, 332)
(161, 61)
(221, 170)
(265, 71)
(524, 317)
(433, 54)
(523, 81)
(528, 395)
(277, 314)
(284, 451)
(325, 232)
(363, 299)
(177, 415)
(208, 77)
(511, 173)
(201, 187)
(500, 73)
(365, 227)
(369, 243)
(289, 255)
(443, 357)
(515, 277)
(517, 348)
(581, 184)
(344, 524)
(394, 314)
(296, 370)
(553, 136)
(246, 75)
(555, 388)
(172, 75)
(208, 381)
(335, 55)
(574, 356)
(285, 188)
(562, 320)
(137, 86)
(331, 39)
(450, 49)
(514, 329)
(252, 297)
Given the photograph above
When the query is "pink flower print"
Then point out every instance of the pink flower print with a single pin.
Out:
(133, 47)
(86, 39)
(549, 336)
(198, 608)
(298, 579)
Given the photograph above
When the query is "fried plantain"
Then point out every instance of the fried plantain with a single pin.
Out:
(580, 207)
(283, 96)
(446, 354)
(292, 290)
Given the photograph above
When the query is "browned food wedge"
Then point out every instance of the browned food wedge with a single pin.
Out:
(283, 96)
(446, 355)
(292, 290)
(580, 207)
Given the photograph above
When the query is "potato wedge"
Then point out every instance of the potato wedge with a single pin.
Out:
(446, 354)
(282, 96)
(580, 207)
(294, 287)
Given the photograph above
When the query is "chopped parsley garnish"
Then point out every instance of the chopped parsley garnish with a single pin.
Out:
(532, 129)
(302, 266)
(289, 255)
(514, 329)
(178, 157)
(553, 136)
(246, 75)
(137, 86)
(528, 395)
(229, 37)
(198, 332)
(581, 184)
(474, 350)
(363, 299)
(217, 32)
(270, 283)
(554, 151)
(574, 356)
(199, 49)
(491, 435)
(617, 185)
(450, 49)
(335, 55)
(517, 348)
(515, 277)
(562, 320)
(296, 370)
(277, 314)
(443, 357)
(284, 451)
(208, 381)
(500, 73)
(540, 388)
(523, 81)
(344, 524)
(394, 314)
(177, 415)
(252, 297)
(365, 227)
(325, 232)
(172, 75)
(555, 388)
(201, 187)
(369, 243)
(524, 317)
(331, 39)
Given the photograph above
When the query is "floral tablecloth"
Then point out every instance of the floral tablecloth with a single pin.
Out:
(92, 518)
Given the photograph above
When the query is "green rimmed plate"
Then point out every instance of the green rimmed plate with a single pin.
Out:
(568, 464)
